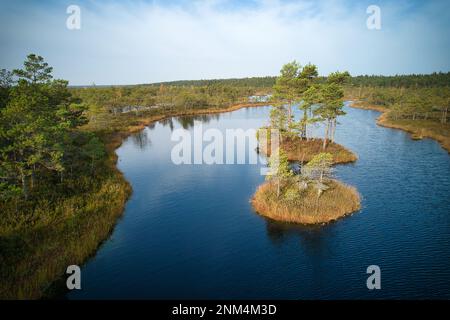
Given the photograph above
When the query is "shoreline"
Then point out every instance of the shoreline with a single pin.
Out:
(116, 138)
(415, 133)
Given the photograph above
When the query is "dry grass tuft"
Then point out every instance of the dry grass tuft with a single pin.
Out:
(306, 207)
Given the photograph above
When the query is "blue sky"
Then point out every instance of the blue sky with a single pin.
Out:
(129, 42)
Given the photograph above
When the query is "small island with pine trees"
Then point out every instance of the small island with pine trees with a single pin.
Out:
(311, 195)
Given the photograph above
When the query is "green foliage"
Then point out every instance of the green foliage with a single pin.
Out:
(290, 84)
(339, 78)
(421, 103)
(279, 166)
(108, 104)
(321, 99)
(94, 150)
(255, 82)
(319, 167)
(331, 102)
(8, 192)
(403, 81)
(278, 117)
(35, 70)
(36, 126)
(290, 88)
(6, 82)
(54, 207)
(279, 169)
(398, 81)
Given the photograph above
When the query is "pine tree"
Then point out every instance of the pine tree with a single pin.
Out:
(319, 167)
(35, 125)
(279, 169)
(331, 103)
(289, 89)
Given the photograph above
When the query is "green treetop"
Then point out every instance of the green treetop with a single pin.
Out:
(319, 167)
(35, 124)
(289, 87)
(35, 70)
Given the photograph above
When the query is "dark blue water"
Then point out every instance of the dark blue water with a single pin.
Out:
(188, 231)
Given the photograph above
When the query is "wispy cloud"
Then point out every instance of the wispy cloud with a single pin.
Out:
(140, 42)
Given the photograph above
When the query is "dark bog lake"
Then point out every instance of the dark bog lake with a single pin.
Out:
(189, 231)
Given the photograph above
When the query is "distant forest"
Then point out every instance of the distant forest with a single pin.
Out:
(407, 81)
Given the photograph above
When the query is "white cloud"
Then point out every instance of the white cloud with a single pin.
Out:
(124, 42)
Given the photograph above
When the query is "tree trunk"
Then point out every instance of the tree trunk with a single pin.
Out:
(289, 117)
(24, 186)
(305, 117)
(326, 135)
(333, 130)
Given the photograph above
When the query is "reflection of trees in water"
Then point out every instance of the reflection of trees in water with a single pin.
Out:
(314, 240)
(187, 122)
(141, 139)
(167, 122)
(206, 118)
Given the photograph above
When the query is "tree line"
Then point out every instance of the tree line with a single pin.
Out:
(39, 141)
(436, 79)
(252, 82)
(408, 103)
(107, 103)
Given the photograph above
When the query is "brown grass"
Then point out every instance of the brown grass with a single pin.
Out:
(304, 150)
(418, 129)
(336, 202)
(47, 250)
